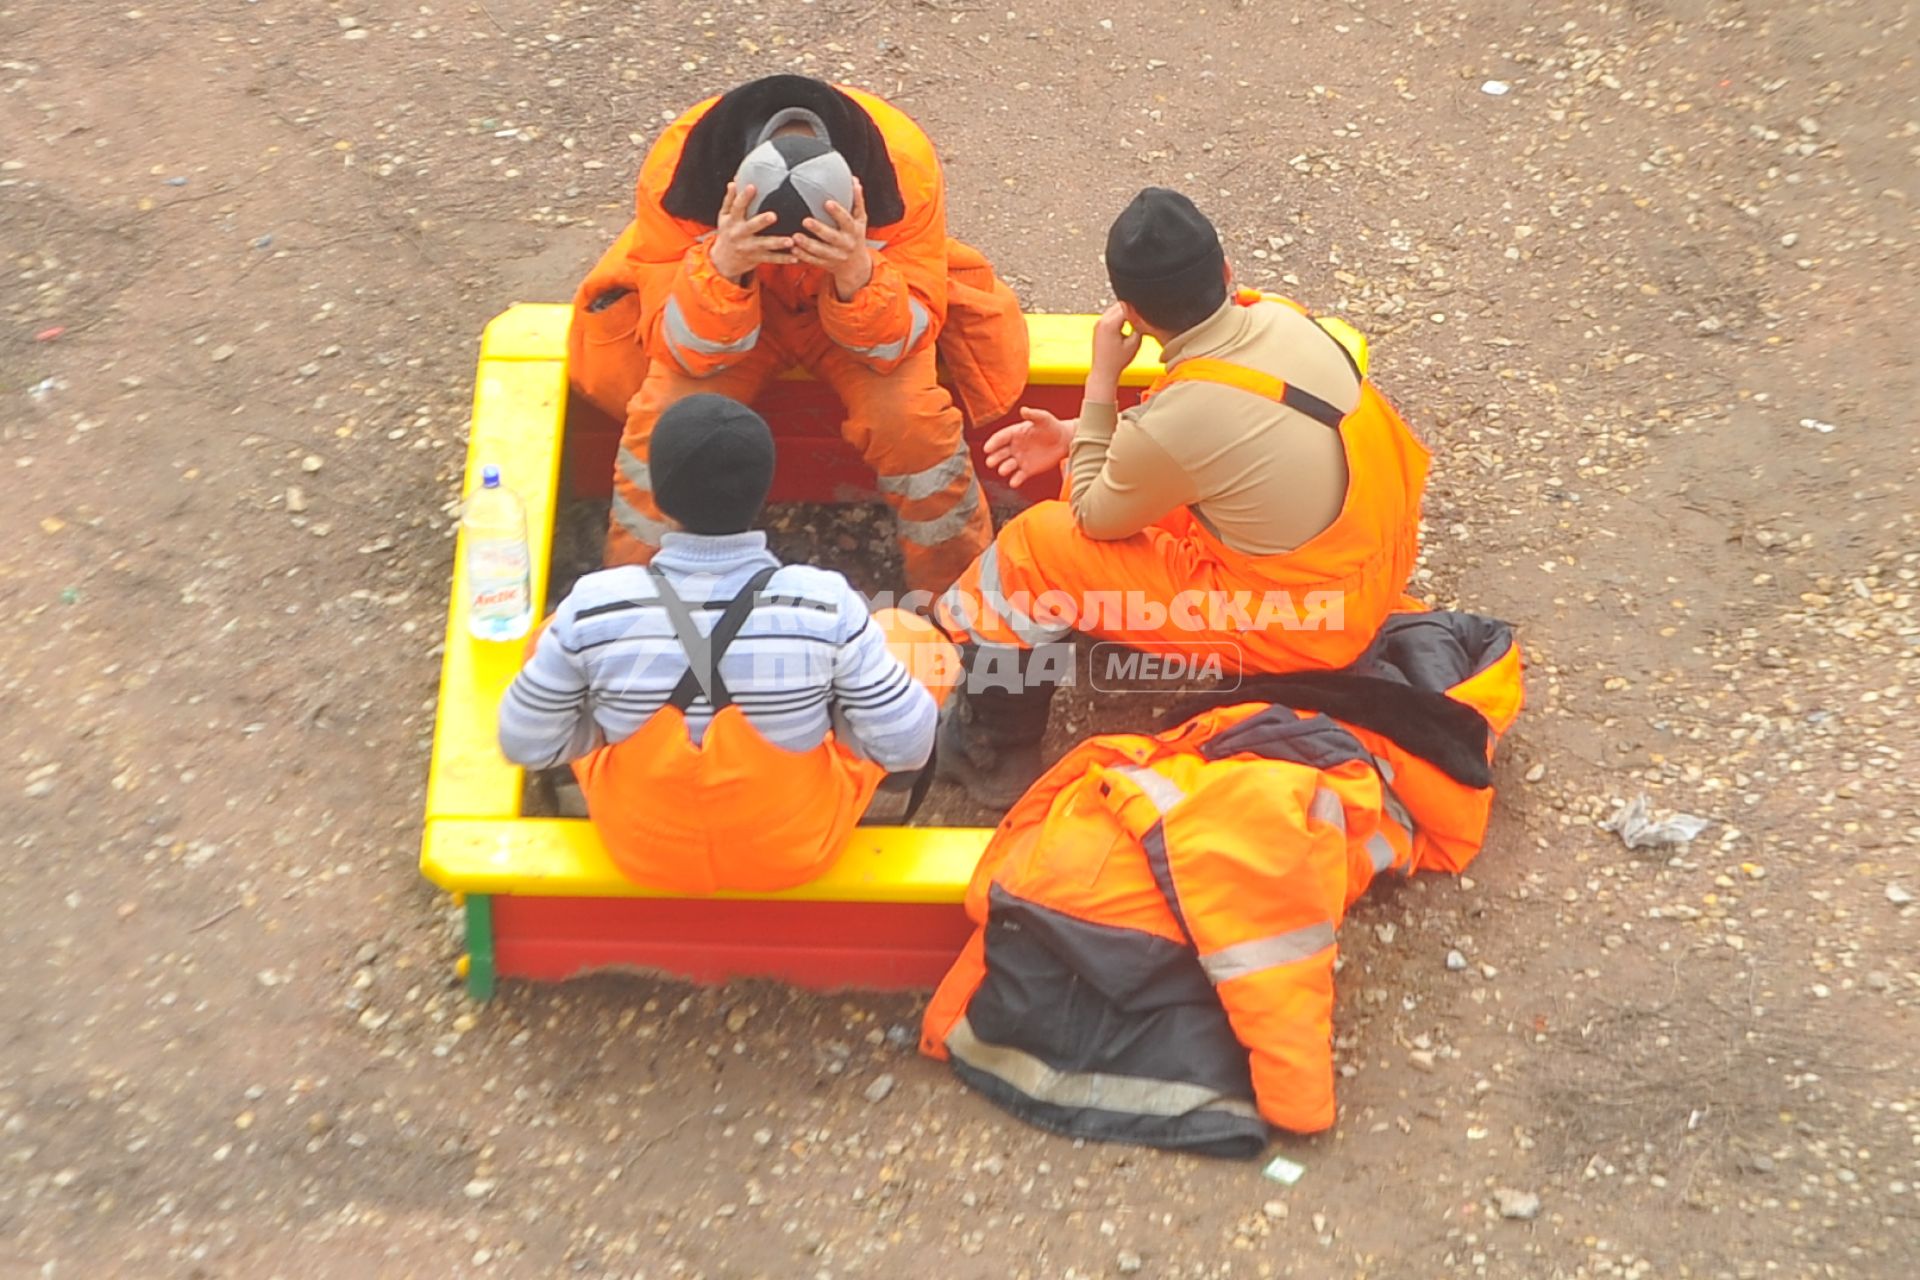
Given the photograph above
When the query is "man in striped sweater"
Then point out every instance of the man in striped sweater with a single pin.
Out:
(729, 717)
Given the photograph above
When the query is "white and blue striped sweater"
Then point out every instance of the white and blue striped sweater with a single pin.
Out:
(808, 658)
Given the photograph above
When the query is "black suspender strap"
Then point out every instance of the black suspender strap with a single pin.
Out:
(1313, 406)
(705, 651)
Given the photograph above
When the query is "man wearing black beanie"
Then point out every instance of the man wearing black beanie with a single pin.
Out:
(1258, 512)
(729, 717)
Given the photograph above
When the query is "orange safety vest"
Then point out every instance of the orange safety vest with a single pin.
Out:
(1158, 916)
(1367, 554)
(735, 812)
(980, 333)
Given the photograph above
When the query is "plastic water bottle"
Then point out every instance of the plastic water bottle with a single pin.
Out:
(499, 601)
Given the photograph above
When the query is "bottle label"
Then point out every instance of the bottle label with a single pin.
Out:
(496, 559)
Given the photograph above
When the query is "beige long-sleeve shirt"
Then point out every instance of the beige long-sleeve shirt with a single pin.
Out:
(1261, 477)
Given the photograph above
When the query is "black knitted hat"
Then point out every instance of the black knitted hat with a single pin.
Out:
(1162, 252)
(711, 462)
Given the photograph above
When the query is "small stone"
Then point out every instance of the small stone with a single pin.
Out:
(39, 790)
(1422, 1059)
(1520, 1206)
(882, 1086)
(311, 463)
(1456, 962)
(1127, 1263)
(1878, 981)
(1536, 773)
(354, 33)
(1898, 895)
(737, 1019)
(1496, 88)
(296, 500)
(223, 353)
(479, 1187)
(1274, 1209)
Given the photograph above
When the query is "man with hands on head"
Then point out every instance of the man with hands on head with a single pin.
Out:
(1260, 506)
(790, 222)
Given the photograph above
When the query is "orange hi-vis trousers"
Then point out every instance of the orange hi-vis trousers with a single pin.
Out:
(738, 812)
(904, 424)
(1173, 588)
(1176, 588)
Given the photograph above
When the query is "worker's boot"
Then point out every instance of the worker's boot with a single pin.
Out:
(989, 740)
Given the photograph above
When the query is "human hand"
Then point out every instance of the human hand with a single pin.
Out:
(738, 247)
(841, 249)
(1113, 350)
(1031, 447)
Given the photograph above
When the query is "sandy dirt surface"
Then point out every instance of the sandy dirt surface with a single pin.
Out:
(1653, 307)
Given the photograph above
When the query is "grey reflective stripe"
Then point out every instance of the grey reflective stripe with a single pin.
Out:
(1030, 632)
(1261, 954)
(644, 528)
(681, 337)
(1163, 791)
(1153, 842)
(918, 322)
(638, 474)
(1397, 810)
(931, 533)
(1011, 651)
(1380, 852)
(934, 479)
(957, 606)
(1326, 807)
(1163, 794)
(1130, 1095)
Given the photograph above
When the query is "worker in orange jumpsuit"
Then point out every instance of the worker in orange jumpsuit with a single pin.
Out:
(700, 295)
(1260, 508)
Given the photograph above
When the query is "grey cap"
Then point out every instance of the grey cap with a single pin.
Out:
(793, 115)
(795, 177)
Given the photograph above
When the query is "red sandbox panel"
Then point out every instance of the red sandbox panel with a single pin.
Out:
(825, 946)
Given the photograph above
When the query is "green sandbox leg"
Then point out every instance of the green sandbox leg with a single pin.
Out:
(480, 966)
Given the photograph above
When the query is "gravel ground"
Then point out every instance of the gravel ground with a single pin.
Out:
(1640, 272)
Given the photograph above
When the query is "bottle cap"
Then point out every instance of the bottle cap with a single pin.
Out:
(489, 477)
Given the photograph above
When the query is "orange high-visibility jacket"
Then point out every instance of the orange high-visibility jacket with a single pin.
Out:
(655, 296)
(1157, 916)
